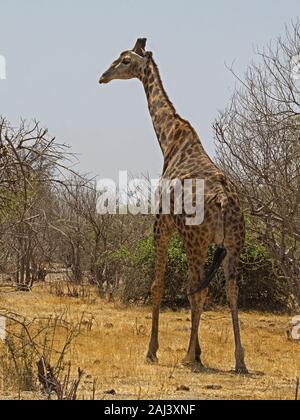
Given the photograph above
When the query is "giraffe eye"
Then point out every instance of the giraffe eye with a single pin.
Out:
(126, 61)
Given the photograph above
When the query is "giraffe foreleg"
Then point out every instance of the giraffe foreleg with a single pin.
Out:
(162, 234)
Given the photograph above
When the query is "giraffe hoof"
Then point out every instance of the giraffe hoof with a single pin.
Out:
(198, 368)
(242, 370)
(151, 359)
(187, 362)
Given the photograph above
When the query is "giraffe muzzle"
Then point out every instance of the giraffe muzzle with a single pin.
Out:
(104, 79)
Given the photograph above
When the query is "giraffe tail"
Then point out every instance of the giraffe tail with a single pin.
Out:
(218, 259)
(221, 252)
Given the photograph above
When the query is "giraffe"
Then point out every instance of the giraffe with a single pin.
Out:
(223, 225)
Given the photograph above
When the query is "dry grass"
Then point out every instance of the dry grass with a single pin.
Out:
(113, 351)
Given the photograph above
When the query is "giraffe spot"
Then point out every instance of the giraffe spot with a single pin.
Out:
(151, 78)
(162, 104)
(163, 137)
(178, 134)
(169, 124)
(150, 89)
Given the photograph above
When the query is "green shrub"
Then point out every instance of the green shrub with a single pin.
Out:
(259, 288)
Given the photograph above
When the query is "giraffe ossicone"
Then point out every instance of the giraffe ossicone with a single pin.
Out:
(223, 225)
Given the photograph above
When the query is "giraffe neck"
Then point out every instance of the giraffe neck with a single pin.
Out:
(162, 111)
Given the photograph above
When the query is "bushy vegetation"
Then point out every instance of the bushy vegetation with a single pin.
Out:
(259, 288)
(49, 223)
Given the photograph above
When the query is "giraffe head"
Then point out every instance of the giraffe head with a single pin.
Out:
(129, 65)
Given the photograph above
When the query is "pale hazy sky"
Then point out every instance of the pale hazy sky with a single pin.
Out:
(56, 50)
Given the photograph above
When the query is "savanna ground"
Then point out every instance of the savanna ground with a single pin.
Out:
(112, 351)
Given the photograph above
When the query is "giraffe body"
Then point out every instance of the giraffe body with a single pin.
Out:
(185, 158)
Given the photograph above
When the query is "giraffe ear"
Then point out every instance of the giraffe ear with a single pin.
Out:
(140, 46)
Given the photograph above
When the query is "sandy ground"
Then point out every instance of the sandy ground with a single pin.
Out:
(112, 353)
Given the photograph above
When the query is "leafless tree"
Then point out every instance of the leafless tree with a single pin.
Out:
(258, 143)
(32, 165)
(93, 241)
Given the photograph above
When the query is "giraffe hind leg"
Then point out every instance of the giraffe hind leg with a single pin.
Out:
(230, 267)
(197, 298)
(193, 357)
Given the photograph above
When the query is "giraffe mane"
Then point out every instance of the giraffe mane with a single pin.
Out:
(188, 124)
